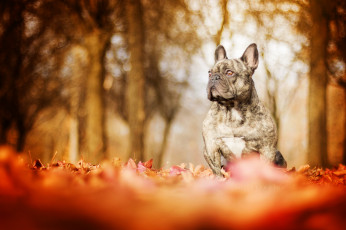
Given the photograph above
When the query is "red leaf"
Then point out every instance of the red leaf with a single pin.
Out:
(148, 164)
(176, 170)
(141, 167)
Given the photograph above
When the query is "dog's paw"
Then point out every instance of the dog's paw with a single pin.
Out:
(279, 160)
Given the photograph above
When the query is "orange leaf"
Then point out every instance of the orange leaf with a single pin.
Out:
(340, 173)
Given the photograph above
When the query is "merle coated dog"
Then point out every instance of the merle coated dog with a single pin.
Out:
(237, 123)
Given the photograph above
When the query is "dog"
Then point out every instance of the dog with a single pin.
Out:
(237, 123)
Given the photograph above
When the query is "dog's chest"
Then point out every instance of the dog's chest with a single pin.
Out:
(236, 116)
(232, 119)
(226, 128)
(235, 144)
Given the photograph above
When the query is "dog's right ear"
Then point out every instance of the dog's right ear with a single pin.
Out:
(220, 53)
(250, 56)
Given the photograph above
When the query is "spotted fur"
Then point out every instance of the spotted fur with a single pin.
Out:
(237, 123)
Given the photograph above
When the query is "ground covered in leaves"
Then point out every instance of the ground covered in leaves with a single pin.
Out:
(116, 195)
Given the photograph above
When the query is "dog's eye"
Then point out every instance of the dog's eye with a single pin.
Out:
(229, 73)
(209, 73)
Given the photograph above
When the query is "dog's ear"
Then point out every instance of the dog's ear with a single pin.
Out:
(220, 53)
(250, 56)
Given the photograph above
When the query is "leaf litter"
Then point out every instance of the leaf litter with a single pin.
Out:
(130, 195)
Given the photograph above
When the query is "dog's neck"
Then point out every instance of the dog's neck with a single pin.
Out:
(253, 100)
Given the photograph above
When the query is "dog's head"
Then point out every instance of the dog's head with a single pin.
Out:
(230, 79)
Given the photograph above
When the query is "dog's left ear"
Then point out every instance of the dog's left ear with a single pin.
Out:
(250, 56)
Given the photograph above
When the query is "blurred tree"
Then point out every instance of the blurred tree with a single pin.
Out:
(325, 22)
(336, 50)
(90, 24)
(169, 51)
(77, 64)
(95, 20)
(317, 145)
(135, 94)
(165, 55)
(224, 22)
(34, 40)
(25, 88)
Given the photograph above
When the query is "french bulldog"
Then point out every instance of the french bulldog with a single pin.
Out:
(237, 123)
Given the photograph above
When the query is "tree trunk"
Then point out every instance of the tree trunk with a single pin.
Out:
(344, 153)
(75, 89)
(317, 143)
(73, 139)
(22, 132)
(95, 44)
(5, 127)
(136, 78)
(162, 150)
(224, 22)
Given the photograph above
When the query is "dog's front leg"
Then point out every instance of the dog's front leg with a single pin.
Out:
(267, 154)
(214, 161)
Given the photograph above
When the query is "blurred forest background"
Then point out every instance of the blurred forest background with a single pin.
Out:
(102, 79)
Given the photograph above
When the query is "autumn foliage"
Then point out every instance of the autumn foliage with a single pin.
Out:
(116, 195)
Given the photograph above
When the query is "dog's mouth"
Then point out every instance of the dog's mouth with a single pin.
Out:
(221, 99)
(215, 95)
(225, 102)
(229, 102)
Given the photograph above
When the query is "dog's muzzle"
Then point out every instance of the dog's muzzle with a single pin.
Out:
(215, 77)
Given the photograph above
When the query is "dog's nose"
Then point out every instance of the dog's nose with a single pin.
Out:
(216, 77)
